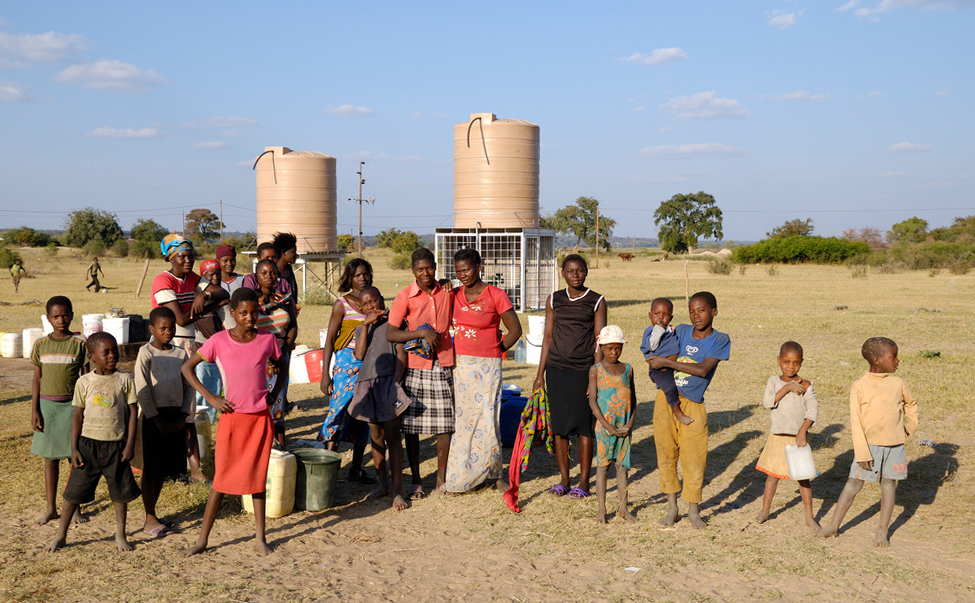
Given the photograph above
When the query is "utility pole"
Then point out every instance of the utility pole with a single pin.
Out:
(597, 237)
(221, 220)
(360, 201)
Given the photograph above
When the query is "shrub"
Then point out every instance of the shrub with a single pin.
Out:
(400, 261)
(800, 249)
(718, 266)
(8, 257)
(772, 270)
(93, 248)
(742, 268)
(121, 248)
(932, 254)
(144, 250)
(858, 271)
(959, 267)
(51, 250)
(26, 237)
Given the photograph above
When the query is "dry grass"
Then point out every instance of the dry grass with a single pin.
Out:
(479, 550)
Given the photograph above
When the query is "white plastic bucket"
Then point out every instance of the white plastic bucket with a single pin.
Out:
(48, 327)
(118, 327)
(282, 472)
(800, 461)
(30, 338)
(536, 326)
(12, 345)
(92, 323)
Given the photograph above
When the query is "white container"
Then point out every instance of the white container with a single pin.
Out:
(118, 327)
(282, 471)
(322, 337)
(92, 323)
(12, 345)
(203, 438)
(533, 349)
(800, 462)
(536, 326)
(30, 338)
(48, 327)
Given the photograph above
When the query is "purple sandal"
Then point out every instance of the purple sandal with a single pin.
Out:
(557, 490)
(578, 493)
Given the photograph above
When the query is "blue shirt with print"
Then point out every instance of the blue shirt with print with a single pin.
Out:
(716, 345)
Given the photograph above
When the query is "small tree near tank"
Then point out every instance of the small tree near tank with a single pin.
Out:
(683, 219)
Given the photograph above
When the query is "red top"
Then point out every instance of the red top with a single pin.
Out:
(476, 323)
(417, 307)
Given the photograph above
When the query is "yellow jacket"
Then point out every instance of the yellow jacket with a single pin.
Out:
(882, 413)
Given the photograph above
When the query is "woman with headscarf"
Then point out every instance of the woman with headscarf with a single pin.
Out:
(190, 298)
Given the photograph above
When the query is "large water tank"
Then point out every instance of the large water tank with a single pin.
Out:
(495, 173)
(296, 193)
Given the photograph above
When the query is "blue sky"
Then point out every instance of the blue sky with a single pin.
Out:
(855, 114)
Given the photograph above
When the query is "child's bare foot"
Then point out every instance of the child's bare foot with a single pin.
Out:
(881, 540)
(601, 517)
(196, 549)
(400, 503)
(762, 516)
(673, 514)
(78, 517)
(827, 532)
(501, 485)
(694, 515)
(813, 525)
(262, 548)
(46, 516)
(122, 544)
(680, 416)
(627, 516)
(197, 476)
(55, 545)
(380, 491)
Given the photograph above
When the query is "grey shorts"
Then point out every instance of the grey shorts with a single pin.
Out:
(890, 462)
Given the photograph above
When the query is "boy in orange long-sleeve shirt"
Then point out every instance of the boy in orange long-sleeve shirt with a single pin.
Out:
(883, 414)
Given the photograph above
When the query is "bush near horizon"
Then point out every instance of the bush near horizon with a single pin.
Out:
(798, 249)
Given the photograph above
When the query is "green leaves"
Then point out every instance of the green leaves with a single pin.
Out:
(686, 218)
(580, 220)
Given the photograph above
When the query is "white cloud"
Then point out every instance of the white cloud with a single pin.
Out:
(349, 111)
(12, 91)
(126, 133)
(659, 56)
(884, 6)
(687, 150)
(704, 105)
(802, 95)
(639, 108)
(211, 144)
(908, 147)
(21, 50)
(221, 121)
(783, 19)
(110, 74)
(943, 92)
(891, 174)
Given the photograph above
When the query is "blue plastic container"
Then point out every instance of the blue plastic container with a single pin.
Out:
(511, 409)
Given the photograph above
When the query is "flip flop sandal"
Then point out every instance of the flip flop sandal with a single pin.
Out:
(158, 531)
(417, 493)
(558, 490)
(578, 493)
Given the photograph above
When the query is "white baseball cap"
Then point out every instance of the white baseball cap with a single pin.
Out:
(610, 334)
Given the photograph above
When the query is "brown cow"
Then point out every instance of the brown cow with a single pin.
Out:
(626, 257)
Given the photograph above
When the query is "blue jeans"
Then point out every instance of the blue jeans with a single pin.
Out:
(209, 375)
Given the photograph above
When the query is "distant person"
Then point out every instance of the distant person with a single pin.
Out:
(59, 359)
(574, 317)
(102, 439)
(92, 273)
(17, 271)
(701, 349)
(883, 414)
(166, 399)
(794, 410)
(612, 399)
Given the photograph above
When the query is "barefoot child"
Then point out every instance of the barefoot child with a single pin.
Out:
(574, 317)
(379, 399)
(659, 340)
(245, 432)
(701, 349)
(794, 410)
(612, 398)
(58, 359)
(102, 439)
(166, 399)
(882, 416)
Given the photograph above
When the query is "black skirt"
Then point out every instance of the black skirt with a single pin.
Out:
(568, 401)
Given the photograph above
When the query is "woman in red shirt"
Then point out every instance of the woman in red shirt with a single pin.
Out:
(479, 309)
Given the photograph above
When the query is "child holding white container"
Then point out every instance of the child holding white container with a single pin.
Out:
(794, 409)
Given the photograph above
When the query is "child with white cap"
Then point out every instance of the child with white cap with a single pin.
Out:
(612, 398)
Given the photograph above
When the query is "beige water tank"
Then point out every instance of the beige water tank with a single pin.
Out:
(296, 193)
(495, 173)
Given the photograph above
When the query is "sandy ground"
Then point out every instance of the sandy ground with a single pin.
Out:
(472, 548)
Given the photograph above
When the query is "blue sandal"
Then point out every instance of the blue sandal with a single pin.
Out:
(557, 490)
(578, 493)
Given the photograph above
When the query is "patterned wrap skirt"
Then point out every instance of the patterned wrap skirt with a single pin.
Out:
(339, 426)
(475, 447)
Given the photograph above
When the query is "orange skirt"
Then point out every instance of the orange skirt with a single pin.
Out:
(773, 461)
(242, 452)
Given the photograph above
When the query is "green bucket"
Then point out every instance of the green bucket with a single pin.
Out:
(318, 472)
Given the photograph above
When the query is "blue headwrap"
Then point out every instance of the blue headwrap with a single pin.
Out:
(173, 244)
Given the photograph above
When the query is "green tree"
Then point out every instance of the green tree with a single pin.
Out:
(580, 220)
(344, 242)
(406, 243)
(148, 230)
(24, 236)
(83, 226)
(685, 218)
(911, 230)
(387, 237)
(201, 226)
(792, 228)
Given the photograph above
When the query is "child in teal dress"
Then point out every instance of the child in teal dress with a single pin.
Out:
(612, 398)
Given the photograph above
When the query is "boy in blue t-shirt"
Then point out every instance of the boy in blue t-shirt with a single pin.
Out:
(701, 349)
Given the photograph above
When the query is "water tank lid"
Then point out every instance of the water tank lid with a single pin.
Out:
(485, 117)
(281, 151)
